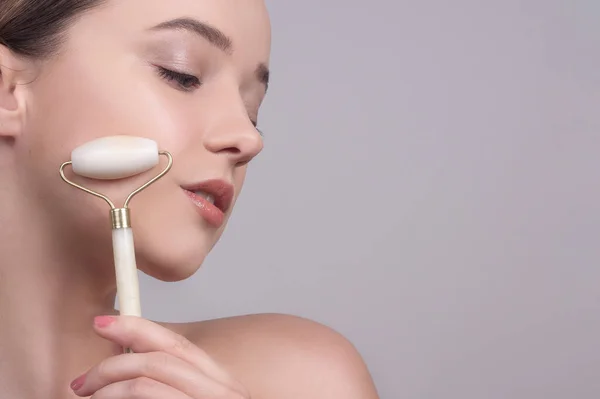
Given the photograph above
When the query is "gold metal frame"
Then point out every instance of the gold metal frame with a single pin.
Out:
(120, 217)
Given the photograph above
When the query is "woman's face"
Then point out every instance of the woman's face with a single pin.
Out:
(189, 74)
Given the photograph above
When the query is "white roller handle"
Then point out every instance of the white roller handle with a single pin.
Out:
(126, 272)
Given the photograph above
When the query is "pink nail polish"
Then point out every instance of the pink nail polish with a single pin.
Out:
(78, 383)
(104, 321)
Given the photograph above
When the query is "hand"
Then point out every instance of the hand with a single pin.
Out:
(164, 365)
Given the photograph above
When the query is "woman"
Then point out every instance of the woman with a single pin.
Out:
(190, 74)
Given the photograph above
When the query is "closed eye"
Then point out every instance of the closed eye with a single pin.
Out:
(255, 124)
(184, 81)
(188, 83)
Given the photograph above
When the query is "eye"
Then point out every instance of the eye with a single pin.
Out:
(255, 124)
(184, 81)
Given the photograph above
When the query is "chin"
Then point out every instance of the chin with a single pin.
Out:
(169, 272)
(171, 267)
(173, 255)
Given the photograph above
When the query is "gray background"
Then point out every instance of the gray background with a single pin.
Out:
(430, 188)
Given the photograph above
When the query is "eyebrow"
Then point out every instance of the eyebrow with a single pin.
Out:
(214, 37)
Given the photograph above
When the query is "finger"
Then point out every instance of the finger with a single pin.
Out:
(143, 335)
(139, 388)
(157, 366)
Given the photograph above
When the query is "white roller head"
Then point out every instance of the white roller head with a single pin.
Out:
(115, 157)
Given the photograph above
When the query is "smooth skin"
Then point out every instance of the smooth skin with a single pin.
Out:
(199, 98)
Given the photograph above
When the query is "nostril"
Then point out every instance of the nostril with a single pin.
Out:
(232, 150)
(242, 163)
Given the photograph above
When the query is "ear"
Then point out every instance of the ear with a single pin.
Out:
(13, 72)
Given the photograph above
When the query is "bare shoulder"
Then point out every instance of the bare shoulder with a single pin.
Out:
(282, 356)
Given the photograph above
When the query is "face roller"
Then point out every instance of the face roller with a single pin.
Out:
(112, 158)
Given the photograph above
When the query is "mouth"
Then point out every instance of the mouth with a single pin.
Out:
(212, 199)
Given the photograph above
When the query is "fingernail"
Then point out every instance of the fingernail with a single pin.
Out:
(104, 321)
(78, 382)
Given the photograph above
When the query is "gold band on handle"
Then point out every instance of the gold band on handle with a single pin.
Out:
(120, 218)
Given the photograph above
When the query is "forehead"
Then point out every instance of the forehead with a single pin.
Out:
(245, 22)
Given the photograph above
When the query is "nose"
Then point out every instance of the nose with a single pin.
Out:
(237, 139)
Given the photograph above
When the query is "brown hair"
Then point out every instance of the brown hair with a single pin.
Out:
(35, 28)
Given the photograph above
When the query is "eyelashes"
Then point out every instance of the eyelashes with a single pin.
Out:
(255, 124)
(184, 81)
(188, 83)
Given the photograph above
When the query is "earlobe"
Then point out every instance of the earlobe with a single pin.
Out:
(12, 71)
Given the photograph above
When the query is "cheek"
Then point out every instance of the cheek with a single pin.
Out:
(68, 111)
(70, 106)
(125, 100)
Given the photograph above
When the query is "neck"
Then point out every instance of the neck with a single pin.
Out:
(50, 292)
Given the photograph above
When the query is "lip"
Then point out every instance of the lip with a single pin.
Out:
(220, 190)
